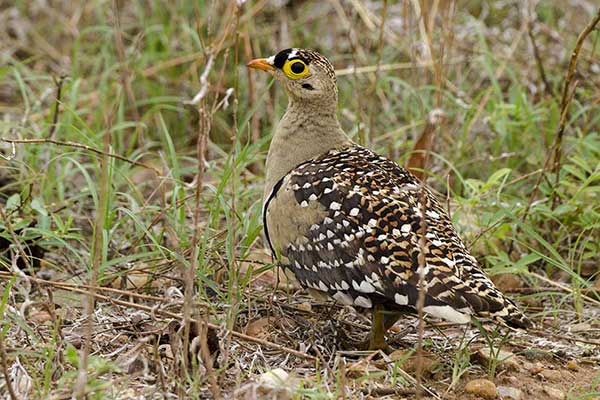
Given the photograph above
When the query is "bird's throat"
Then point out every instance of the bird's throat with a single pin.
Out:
(303, 133)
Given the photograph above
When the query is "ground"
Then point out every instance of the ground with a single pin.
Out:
(133, 143)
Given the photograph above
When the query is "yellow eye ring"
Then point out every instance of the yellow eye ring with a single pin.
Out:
(295, 69)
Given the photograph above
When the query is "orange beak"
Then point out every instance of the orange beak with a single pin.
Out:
(261, 63)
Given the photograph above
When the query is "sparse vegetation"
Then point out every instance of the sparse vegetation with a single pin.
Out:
(106, 108)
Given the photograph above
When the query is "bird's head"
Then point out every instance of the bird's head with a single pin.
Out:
(306, 75)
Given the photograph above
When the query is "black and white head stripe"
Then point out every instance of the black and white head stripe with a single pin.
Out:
(308, 56)
(288, 54)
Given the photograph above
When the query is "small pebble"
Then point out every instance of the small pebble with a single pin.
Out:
(551, 375)
(273, 384)
(513, 380)
(304, 306)
(482, 387)
(572, 365)
(39, 317)
(274, 378)
(581, 327)
(409, 362)
(554, 394)
(536, 354)
(502, 359)
(510, 393)
(534, 369)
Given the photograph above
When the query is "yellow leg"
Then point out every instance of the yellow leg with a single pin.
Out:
(381, 321)
(390, 318)
(377, 334)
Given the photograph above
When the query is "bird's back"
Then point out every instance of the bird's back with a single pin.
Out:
(348, 223)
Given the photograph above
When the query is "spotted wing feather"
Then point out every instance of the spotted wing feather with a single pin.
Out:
(364, 248)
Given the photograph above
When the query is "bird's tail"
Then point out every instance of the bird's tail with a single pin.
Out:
(511, 316)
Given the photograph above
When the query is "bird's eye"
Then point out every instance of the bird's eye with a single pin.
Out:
(295, 69)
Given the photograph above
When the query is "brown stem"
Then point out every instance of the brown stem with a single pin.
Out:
(567, 95)
(56, 112)
(421, 287)
(538, 60)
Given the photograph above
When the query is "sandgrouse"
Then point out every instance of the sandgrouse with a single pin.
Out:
(347, 222)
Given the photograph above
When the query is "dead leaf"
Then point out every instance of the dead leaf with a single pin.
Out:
(507, 282)
(418, 159)
(259, 328)
(39, 317)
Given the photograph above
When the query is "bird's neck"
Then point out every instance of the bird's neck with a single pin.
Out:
(305, 131)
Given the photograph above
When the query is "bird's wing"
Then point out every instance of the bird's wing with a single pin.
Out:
(363, 248)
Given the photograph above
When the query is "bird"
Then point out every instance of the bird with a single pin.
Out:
(357, 227)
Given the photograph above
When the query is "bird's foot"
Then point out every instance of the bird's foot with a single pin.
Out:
(372, 344)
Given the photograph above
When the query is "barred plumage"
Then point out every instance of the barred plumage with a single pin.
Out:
(363, 248)
(348, 222)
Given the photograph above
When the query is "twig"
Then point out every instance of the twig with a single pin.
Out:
(84, 147)
(567, 95)
(533, 193)
(562, 287)
(341, 376)
(67, 286)
(165, 313)
(57, 101)
(189, 273)
(203, 82)
(421, 287)
(538, 58)
(546, 289)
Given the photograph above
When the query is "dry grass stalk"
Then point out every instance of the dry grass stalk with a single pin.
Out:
(369, 69)
(421, 298)
(158, 311)
(84, 147)
(57, 101)
(567, 95)
(126, 74)
(255, 167)
(190, 272)
(97, 251)
(538, 59)
(374, 108)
